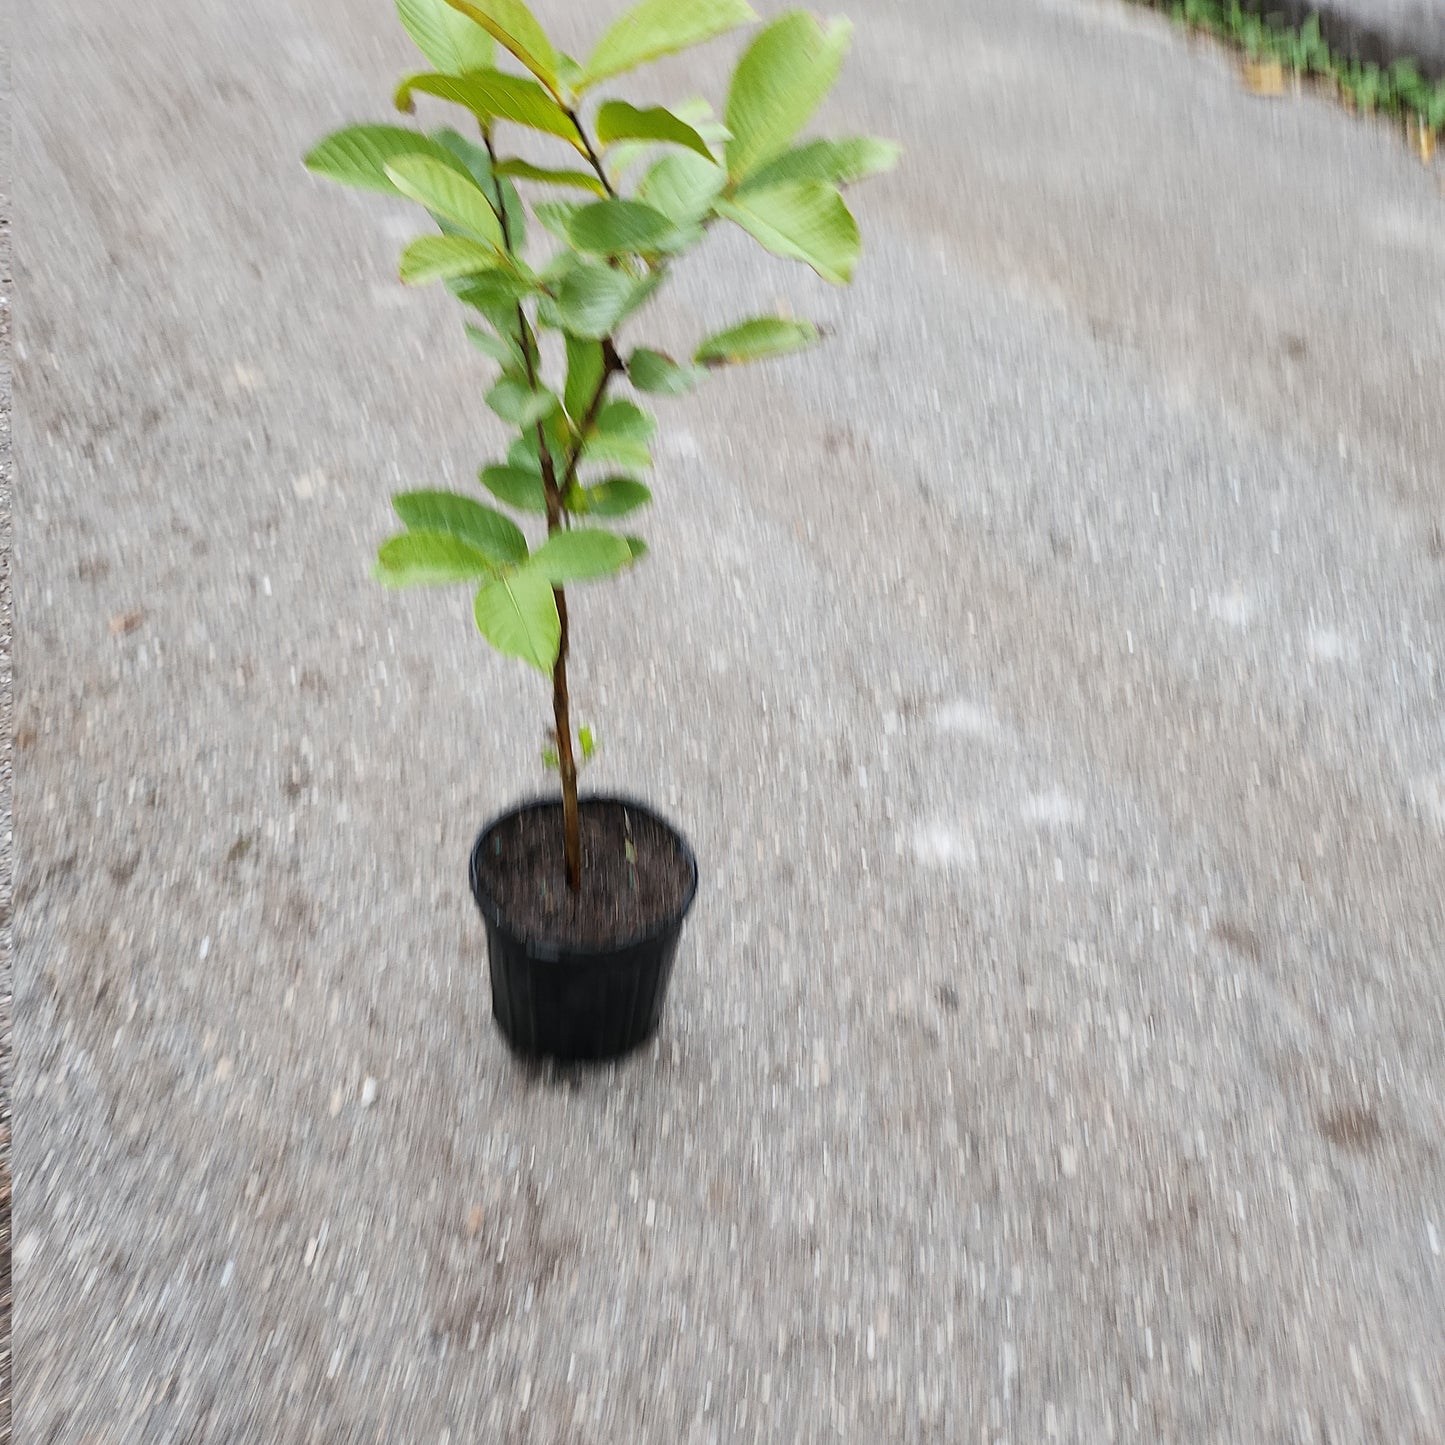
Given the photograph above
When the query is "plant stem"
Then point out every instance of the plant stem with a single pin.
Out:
(561, 705)
(592, 154)
(566, 762)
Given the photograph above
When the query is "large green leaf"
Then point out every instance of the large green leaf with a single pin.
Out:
(501, 348)
(682, 186)
(496, 537)
(756, 340)
(651, 371)
(626, 421)
(430, 558)
(501, 194)
(518, 487)
(494, 95)
(616, 227)
(526, 171)
(804, 220)
(616, 451)
(839, 162)
(445, 192)
(778, 84)
(592, 298)
(579, 555)
(615, 497)
(495, 294)
(517, 614)
(450, 40)
(516, 28)
(656, 28)
(643, 290)
(616, 120)
(584, 375)
(360, 154)
(519, 404)
(444, 258)
(556, 216)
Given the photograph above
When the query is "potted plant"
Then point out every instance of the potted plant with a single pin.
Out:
(584, 897)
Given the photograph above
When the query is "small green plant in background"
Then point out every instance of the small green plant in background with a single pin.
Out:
(1398, 90)
(634, 189)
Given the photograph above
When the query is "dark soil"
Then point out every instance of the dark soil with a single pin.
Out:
(622, 897)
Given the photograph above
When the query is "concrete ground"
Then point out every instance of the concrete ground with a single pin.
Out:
(1049, 672)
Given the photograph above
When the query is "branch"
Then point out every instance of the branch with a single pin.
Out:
(550, 490)
(611, 365)
(592, 154)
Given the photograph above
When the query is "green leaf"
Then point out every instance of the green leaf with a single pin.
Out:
(615, 497)
(641, 292)
(592, 298)
(651, 371)
(580, 555)
(495, 294)
(625, 420)
(519, 487)
(523, 455)
(501, 348)
(616, 120)
(443, 258)
(445, 192)
(526, 171)
(556, 216)
(839, 162)
(360, 154)
(804, 220)
(622, 157)
(616, 227)
(682, 186)
(779, 82)
(494, 95)
(637, 547)
(516, 28)
(517, 614)
(697, 112)
(584, 373)
(501, 194)
(756, 340)
(451, 41)
(587, 743)
(661, 27)
(617, 451)
(518, 404)
(430, 558)
(496, 537)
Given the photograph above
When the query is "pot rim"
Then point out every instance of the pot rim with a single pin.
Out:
(550, 950)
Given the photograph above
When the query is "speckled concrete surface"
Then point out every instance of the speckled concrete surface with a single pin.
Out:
(1048, 673)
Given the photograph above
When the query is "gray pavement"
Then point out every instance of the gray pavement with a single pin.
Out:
(1049, 672)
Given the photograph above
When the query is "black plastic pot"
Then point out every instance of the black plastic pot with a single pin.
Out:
(568, 1003)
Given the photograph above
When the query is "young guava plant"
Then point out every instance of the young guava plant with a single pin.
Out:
(632, 189)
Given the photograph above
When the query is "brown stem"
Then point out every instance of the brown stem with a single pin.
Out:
(566, 762)
(591, 153)
(611, 365)
(561, 709)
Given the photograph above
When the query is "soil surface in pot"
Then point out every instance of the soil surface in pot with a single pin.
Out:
(626, 892)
